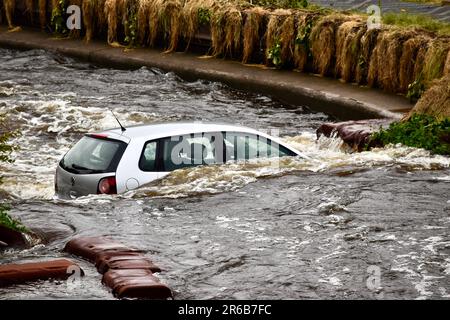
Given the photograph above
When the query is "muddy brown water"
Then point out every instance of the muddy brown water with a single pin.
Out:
(300, 229)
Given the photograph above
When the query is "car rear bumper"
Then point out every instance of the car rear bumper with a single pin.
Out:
(70, 185)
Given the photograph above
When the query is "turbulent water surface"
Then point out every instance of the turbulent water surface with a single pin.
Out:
(298, 229)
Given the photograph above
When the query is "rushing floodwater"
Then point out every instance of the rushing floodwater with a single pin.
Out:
(305, 229)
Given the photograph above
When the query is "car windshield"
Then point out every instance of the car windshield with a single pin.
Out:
(94, 155)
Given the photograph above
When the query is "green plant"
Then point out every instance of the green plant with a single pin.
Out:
(131, 26)
(420, 131)
(303, 36)
(58, 21)
(416, 89)
(5, 156)
(362, 62)
(204, 16)
(274, 54)
(9, 222)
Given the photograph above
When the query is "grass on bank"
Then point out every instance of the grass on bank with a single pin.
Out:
(404, 19)
(419, 131)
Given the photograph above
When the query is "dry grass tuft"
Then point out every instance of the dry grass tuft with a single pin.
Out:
(42, 13)
(436, 100)
(94, 18)
(435, 59)
(323, 43)
(420, 58)
(164, 20)
(190, 17)
(447, 64)
(348, 41)
(304, 23)
(367, 46)
(143, 16)
(29, 9)
(226, 27)
(280, 31)
(114, 10)
(287, 39)
(9, 6)
(251, 31)
(385, 63)
(409, 69)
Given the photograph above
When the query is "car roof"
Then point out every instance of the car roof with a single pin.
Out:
(168, 129)
(162, 130)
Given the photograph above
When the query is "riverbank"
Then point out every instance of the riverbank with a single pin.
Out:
(341, 100)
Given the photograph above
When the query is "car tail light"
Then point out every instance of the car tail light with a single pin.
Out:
(107, 186)
(98, 135)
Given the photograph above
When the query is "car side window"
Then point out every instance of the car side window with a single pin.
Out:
(148, 157)
(244, 146)
(192, 150)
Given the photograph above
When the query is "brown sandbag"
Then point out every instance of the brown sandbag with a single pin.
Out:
(136, 284)
(121, 262)
(354, 133)
(91, 247)
(128, 273)
(110, 254)
(141, 288)
(112, 277)
(26, 272)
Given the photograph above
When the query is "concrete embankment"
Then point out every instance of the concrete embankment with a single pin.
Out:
(344, 101)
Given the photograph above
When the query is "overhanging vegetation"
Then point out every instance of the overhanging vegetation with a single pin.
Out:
(420, 131)
(5, 152)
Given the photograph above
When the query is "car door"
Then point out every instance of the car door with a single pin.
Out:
(135, 168)
(191, 150)
(242, 146)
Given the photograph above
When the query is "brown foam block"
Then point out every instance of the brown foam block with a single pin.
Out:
(112, 277)
(91, 248)
(121, 262)
(355, 133)
(27, 272)
(143, 287)
(109, 254)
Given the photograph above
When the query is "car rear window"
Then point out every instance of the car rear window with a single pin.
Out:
(94, 155)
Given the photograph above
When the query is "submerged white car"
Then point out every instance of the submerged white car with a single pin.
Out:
(120, 160)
